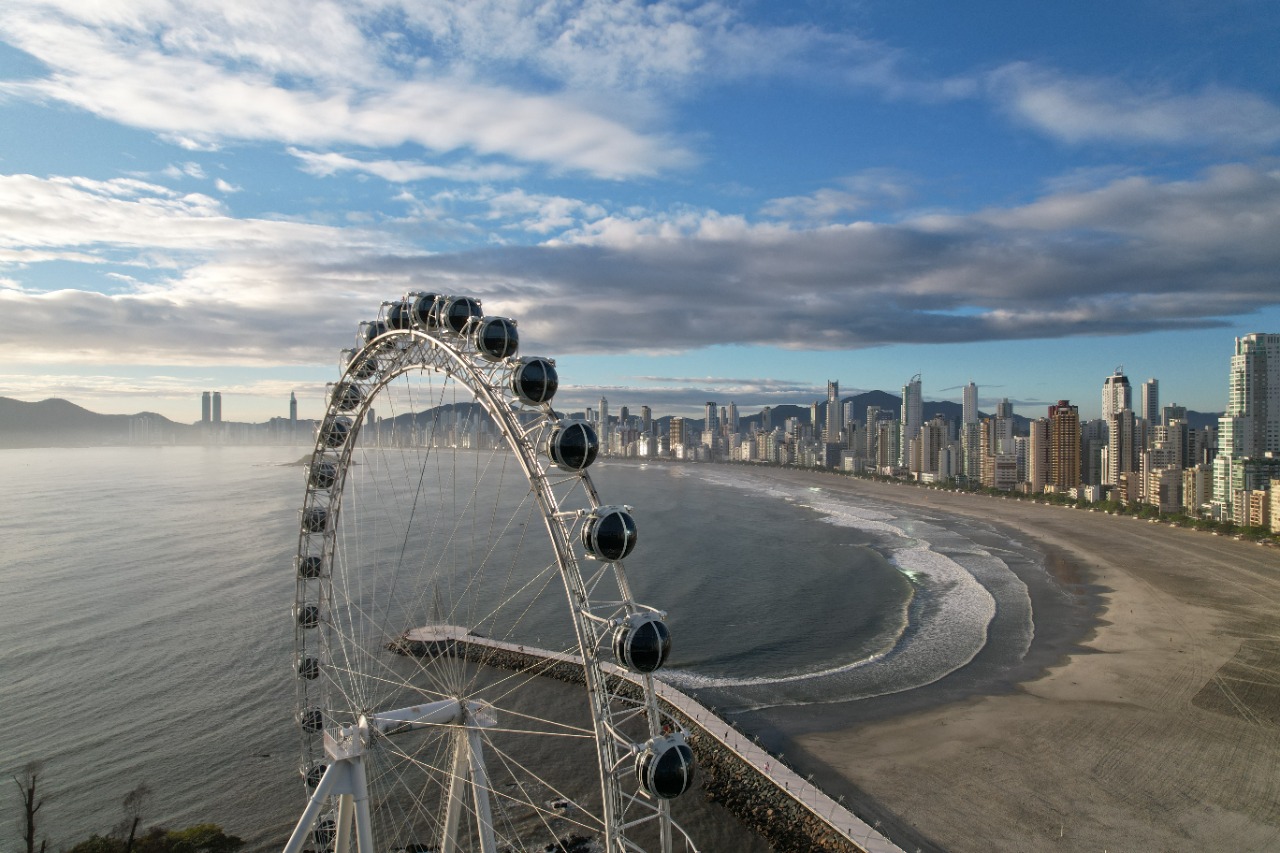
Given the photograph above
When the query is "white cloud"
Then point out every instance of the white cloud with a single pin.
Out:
(1079, 110)
(1133, 255)
(324, 164)
(307, 74)
(853, 194)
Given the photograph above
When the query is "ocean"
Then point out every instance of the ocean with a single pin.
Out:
(146, 632)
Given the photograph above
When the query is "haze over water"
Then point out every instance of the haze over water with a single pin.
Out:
(145, 630)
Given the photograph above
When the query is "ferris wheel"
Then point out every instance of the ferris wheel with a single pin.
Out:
(472, 671)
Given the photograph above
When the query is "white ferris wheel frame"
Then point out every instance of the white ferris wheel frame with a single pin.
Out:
(598, 603)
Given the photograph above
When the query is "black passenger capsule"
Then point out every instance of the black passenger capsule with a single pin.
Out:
(315, 519)
(458, 311)
(322, 475)
(609, 533)
(665, 767)
(314, 774)
(373, 329)
(535, 380)
(326, 830)
(400, 315)
(310, 567)
(308, 616)
(496, 338)
(347, 397)
(311, 720)
(335, 431)
(573, 447)
(363, 367)
(642, 646)
(309, 668)
(423, 311)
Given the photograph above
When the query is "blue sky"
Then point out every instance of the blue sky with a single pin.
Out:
(680, 201)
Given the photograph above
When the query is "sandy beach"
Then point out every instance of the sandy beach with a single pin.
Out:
(1162, 732)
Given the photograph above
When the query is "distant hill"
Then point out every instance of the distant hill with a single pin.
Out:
(59, 423)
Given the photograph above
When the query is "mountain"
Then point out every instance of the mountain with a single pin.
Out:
(59, 423)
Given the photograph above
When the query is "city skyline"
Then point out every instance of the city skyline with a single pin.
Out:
(679, 201)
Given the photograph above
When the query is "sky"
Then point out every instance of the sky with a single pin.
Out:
(678, 201)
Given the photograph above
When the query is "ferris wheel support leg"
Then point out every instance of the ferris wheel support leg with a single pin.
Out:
(342, 844)
(360, 805)
(480, 791)
(457, 778)
(312, 811)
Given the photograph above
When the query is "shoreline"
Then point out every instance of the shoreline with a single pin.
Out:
(1156, 727)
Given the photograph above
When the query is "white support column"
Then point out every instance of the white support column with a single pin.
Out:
(342, 843)
(480, 790)
(457, 779)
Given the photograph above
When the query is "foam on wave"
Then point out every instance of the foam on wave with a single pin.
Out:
(943, 630)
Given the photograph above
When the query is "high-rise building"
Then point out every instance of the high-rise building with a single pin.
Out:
(604, 417)
(1116, 394)
(732, 417)
(911, 419)
(1064, 446)
(1172, 412)
(1004, 410)
(677, 433)
(1151, 401)
(206, 408)
(969, 408)
(1039, 455)
(832, 433)
(1123, 448)
(1250, 427)
(217, 407)
(293, 409)
(646, 420)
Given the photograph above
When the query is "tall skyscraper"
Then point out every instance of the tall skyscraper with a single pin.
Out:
(1039, 454)
(206, 408)
(710, 426)
(646, 420)
(604, 417)
(293, 409)
(217, 407)
(911, 419)
(832, 435)
(1250, 427)
(1123, 451)
(969, 408)
(1064, 446)
(1116, 394)
(1004, 410)
(732, 416)
(1151, 401)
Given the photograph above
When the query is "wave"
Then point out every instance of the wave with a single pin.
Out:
(946, 625)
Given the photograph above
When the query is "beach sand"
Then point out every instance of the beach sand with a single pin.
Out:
(1161, 732)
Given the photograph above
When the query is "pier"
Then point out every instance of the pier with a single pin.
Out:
(789, 811)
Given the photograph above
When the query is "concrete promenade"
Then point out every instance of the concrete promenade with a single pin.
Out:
(740, 763)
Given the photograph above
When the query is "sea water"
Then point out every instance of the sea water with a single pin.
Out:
(146, 637)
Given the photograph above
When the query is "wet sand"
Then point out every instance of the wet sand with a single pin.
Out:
(1160, 731)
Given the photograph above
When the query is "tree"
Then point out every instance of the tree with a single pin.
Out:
(134, 803)
(32, 802)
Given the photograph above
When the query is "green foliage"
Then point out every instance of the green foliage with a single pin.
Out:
(98, 844)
